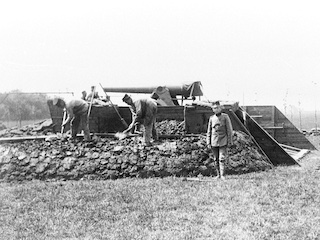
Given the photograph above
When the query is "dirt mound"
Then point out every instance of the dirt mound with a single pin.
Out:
(44, 127)
(106, 158)
(167, 127)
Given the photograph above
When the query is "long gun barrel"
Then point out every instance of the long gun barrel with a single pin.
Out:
(186, 90)
(175, 90)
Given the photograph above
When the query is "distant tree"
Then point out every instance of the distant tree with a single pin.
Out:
(16, 105)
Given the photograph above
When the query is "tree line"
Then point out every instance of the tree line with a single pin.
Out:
(17, 106)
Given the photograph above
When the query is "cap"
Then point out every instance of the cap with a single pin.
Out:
(216, 103)
(126, 97)
(154, 95)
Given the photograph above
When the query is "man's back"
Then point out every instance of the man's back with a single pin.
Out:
(77, 106)
(145, 109)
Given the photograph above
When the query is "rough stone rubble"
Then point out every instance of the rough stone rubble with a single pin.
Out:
(108, 158)
(44, 127)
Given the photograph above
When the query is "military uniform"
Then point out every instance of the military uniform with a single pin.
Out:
(77, 110)
(219, 136)
(144, 111)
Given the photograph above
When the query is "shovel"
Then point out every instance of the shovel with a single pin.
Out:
(64, 118)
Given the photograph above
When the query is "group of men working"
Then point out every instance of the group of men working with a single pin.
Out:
(77, 113)
(144, 111)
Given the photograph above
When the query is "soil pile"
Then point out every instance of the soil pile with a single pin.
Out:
(44, 127)
(168, 127)
(106, 158)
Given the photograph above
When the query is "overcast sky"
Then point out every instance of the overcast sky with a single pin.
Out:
(254, 52)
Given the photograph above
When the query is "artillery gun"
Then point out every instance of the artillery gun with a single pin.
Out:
(168, 95)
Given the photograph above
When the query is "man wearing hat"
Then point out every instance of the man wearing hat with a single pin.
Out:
(84, 95)
(143, 111)
(219, 137)
(77, 115)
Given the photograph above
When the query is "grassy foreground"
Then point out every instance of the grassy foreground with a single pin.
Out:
(282, 203)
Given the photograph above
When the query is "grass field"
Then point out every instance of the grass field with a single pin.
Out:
(282, 203)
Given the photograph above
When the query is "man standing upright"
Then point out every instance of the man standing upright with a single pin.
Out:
(143, 111)
(219, 137)
(77, 115)
(93, 94)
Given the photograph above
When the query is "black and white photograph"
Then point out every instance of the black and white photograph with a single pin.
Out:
(159, 120)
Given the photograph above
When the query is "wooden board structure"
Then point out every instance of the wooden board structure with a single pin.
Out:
(275, 152)
(278, 126)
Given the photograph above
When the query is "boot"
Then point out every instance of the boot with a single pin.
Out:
(218, 171)
(221, 166)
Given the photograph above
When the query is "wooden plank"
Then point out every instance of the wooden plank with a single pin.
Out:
(301, 154)
(272, 128)
(21, 139)
(196, 118)
(295, 153)
(161, 136)
(273, 115)
(176, 136)
(290, 152)
(170, 113)
(290, 147)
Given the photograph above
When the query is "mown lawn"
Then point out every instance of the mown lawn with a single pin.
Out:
(282, 203)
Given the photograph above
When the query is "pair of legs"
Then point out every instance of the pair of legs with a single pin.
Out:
(219, 155)
(80, 121)
(150, 130)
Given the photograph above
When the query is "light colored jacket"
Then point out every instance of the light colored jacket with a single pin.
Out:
(144, 111)
(75, 107)
(219, 131)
